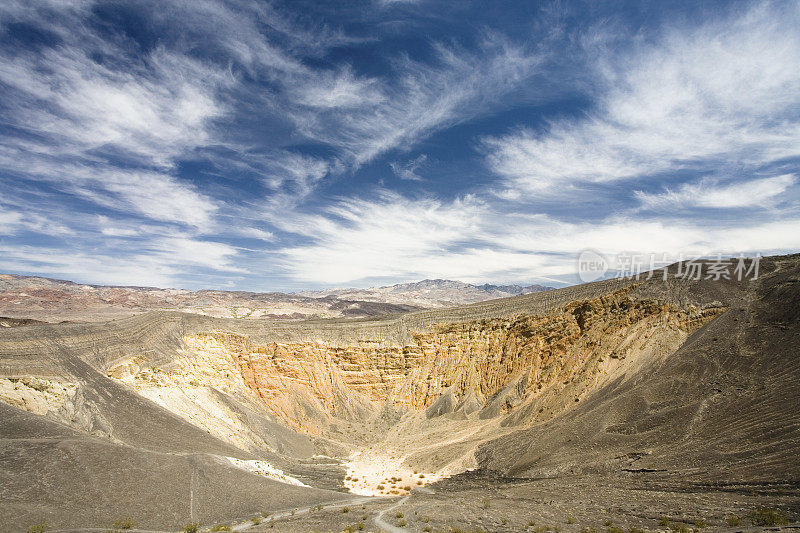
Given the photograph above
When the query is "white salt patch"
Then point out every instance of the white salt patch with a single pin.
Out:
(263, 468)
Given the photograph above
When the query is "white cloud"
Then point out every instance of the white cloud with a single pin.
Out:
(152, 114)
(14, 220)
(726, 91)
(299, 171)
(159, 197)
(155, 195)
(339, 89)
(389, 236)
(9, 220)
(397, 238)
(408, 170)
(186, 250)
(159, 262)
(255, 233)
(424, 98)
(758, 192)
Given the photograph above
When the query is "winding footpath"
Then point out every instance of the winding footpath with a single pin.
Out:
(386, 526)
(302, 510)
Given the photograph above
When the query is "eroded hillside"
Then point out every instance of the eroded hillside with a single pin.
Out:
(485, 374)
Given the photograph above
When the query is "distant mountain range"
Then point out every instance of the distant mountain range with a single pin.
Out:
(430, 293)
(54, 300)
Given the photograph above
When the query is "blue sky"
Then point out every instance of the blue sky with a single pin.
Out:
(288, 145)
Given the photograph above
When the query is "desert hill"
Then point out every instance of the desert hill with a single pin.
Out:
(430, 293)
(54, 300)
(622, 401)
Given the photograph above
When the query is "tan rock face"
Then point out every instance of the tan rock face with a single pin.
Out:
(493, 365)
(38, 396)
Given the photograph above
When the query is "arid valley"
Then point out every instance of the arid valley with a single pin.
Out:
(616, 405)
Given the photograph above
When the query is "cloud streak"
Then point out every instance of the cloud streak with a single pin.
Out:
(698, 98)
(762, 192)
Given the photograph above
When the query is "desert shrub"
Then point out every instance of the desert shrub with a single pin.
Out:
(615, 529)
(608, 523)
(38, 528)
(427, 529)
(380, 487)
(764, 516)
(636, 530)
(700, 523)
(588, 529)
(360, 526)
(364, 518)
(124, 523)
(221, 527)
(399, 515)
(345, 509)
(402, 522)
(256, 520)
(265, 514)
(193, 527)
(570, 520)
(733, 520)
(663, 520)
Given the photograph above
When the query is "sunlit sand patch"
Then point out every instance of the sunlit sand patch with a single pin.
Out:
(380, 475)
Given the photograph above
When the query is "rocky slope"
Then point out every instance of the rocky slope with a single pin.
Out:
(464, 365)
(721, 409)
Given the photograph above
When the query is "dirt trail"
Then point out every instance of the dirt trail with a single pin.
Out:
(384, 524)
(301, 511)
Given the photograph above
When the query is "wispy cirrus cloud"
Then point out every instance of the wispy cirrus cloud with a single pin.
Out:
(408, 170)
(697, 98)
(760, 192)
(72, 105)
(423, 98)
(358, 239)
(339, 89)
(152, 194)
(393, 237)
